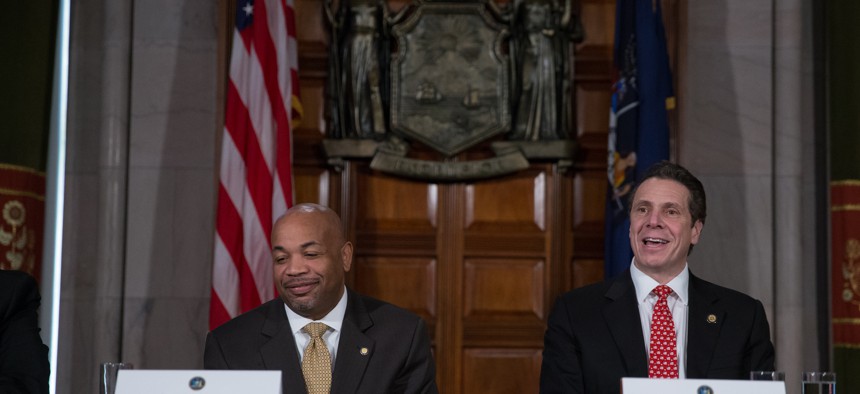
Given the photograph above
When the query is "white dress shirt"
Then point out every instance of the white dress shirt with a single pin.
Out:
(678, 301)
(333, 319)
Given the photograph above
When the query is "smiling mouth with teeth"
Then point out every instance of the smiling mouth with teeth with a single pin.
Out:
(647, 241)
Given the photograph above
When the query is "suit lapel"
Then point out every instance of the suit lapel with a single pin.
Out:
(704, 323)
(279, 352)
(355, 348)
(622, 317)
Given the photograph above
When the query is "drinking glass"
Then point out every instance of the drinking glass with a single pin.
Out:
(819, 383)
(767, 375)
(108, 374)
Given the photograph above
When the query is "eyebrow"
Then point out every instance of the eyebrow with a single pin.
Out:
(669, 204)
(278, 248)
(310, 243)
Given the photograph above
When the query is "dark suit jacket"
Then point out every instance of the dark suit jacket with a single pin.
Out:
(23, 357)
(398, 358)
(594, 337)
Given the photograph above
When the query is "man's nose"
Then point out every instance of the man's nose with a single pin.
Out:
(296, 266)
(654, 219)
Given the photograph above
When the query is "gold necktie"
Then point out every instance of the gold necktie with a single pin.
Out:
(316, 364)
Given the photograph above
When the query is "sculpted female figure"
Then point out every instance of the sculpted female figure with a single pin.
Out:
(542, 32)
(357, 76)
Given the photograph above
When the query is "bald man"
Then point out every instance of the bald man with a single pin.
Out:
(374, 347)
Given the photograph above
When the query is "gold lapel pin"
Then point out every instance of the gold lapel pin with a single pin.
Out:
(364, 351)
(712, 319)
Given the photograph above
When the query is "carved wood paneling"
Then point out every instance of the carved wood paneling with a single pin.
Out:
(592, 94)
(310, 22)
(514, 203)
(385, 203)
(311, 185)
(414, 287)
(504, 290)
(501, 371)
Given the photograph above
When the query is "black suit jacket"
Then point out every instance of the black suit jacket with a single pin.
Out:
(594, 337)
(23, 357)
(398, 359)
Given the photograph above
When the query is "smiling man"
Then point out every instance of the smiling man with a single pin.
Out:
(324, 337)
(656, 319)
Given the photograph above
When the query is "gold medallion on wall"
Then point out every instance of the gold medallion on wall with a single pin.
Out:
(851, 272)
(22, 211)
(16, 239)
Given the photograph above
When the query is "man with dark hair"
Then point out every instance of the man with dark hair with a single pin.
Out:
(656, 319)
(23, 357)
(324, 337)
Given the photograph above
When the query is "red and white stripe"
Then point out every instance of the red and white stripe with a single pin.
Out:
(256, 178)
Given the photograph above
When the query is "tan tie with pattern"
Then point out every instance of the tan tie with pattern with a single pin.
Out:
(316, 364)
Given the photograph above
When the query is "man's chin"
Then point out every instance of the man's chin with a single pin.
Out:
(650, 264)
(301, 307)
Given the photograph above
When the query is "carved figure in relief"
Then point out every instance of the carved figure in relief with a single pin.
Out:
(358, 75)
(542, 33)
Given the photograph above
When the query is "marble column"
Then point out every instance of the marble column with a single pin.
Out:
(794, 264)
(141, 185)
(96, 175)
(172, 182)
(746, 122)
(725, 139)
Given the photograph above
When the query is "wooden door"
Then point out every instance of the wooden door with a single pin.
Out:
(481, 262)
(476, 260)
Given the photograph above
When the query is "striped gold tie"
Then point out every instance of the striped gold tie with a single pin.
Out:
(316, 364)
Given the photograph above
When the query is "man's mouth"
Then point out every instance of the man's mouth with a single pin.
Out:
(300, 287)
(654, 241)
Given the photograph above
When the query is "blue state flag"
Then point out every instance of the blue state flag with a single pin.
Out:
(638, 120)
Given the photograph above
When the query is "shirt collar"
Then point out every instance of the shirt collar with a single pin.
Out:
(333, 319)
(644, 284)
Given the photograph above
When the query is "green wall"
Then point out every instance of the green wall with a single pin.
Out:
(843, 97)
(27, 35)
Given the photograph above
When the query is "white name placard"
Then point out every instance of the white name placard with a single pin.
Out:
(148, 381)
(700, 386)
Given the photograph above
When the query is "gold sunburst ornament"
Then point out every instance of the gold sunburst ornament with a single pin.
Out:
(14, 213)
(851, 272)
(19, 255)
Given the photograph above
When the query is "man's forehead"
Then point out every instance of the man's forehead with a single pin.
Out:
(289, 246)
(661, 191)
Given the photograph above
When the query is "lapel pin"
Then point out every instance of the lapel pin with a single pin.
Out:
(364, 351)
(712, 319)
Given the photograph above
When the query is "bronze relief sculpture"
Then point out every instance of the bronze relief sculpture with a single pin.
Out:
(450, 75)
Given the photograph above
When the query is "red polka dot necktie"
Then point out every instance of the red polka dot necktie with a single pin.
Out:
(663, 360)
(316, 364)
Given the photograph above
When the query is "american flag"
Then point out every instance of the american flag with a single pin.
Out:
(256, 178)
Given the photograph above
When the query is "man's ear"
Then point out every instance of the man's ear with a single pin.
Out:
(697, 230)
(346, 256)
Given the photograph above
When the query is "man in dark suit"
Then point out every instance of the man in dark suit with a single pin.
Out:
(600, 333)
(23, 357)
(374, 347)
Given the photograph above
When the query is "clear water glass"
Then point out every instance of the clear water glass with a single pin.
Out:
(819, 383)
(108, 374)
(767, 375)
